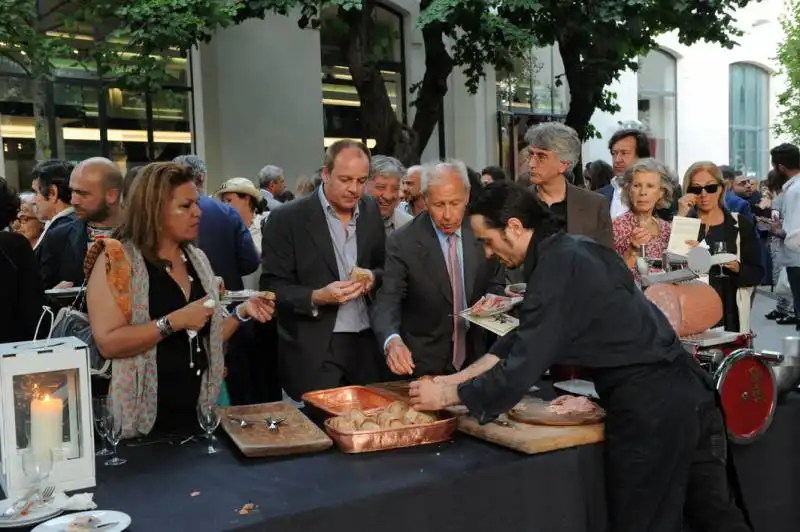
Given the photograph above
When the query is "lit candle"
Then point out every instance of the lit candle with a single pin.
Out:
(46, 424)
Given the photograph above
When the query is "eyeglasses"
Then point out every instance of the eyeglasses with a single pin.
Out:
(25, 219)
(710, 189)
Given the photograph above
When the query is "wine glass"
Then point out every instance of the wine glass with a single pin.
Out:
(114, 422)
(37, 465)
(719, 248)
(208, 418)
(100, 414)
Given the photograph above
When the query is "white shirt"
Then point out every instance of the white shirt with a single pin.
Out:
(251, 281)
(617, 207)
(790, 214)
(398, 219)
(272, 203)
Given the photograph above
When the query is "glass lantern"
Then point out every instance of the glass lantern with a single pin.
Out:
(46, 411)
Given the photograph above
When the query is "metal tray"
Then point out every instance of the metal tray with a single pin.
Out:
(339, 401)
(385, 439)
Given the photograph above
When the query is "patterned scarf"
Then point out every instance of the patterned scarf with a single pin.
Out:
(134, 380)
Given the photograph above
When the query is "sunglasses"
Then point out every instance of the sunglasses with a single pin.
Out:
(710, 189)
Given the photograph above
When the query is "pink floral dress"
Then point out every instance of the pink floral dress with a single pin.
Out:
(623, 227)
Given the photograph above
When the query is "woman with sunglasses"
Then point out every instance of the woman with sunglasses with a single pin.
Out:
(722, 231)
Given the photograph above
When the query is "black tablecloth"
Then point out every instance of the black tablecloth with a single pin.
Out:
(769, 472)
(464, 485)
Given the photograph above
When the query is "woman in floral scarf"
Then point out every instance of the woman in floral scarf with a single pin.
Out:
(149, 296)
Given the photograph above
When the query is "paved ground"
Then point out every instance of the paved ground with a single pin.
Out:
(769, 334)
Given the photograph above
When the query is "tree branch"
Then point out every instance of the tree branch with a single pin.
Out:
(52, 10)
(16, 62)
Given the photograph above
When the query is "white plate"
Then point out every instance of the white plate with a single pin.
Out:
(60, 524)
(577, 387)
(63, 292)
(237, 296)
(37, 515)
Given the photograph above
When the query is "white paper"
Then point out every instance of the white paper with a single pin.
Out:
(683, 229)
(499, 324)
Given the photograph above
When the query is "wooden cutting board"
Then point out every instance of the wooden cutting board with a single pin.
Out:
(529, 439)
(296, 435)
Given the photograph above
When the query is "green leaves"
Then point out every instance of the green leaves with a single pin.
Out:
(789, 58)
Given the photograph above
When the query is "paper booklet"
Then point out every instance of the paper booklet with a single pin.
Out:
(683, 229)
(499, 324)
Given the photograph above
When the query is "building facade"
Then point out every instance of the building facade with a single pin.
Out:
(267, 92)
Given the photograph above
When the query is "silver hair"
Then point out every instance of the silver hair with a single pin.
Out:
(653, 166)
(432, 172)
(383, 165)
(197, 165)
(269, 174)
(558, 138)
(26, 196)
(414, 169)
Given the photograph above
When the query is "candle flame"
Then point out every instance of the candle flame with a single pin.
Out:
(46, 397)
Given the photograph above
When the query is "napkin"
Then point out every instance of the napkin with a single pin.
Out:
(80, 502)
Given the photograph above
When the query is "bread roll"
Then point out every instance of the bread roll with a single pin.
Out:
(369, 424)
(343, 424)
(396, 423)
(357, 416)
(397, 409)
(384, 419)
(426, 417)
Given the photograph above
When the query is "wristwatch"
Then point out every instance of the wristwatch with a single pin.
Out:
(164, 327)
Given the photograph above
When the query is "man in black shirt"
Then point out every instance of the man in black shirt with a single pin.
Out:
(665, 438)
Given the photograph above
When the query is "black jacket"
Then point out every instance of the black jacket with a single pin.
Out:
(298, 258)
(21, 291)
(415, 299)
(61, 253)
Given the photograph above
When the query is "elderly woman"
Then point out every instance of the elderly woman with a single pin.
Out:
(241, 194)
(723, 232)
(148, 298)
(27, 223)
(386, 176)
(646, 186)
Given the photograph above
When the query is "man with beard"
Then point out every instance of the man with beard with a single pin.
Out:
(96, 186)
(384, 185)
(665, 446)
(413, 201)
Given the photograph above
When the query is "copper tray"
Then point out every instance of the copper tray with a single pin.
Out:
(296, 435)
(533, 411)
(385, 439)
(339, 401)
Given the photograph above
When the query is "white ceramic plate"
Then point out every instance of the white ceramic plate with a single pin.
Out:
(60, 524)
(36, 515)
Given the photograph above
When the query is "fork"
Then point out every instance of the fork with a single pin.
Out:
(273, 425)
(44, 497)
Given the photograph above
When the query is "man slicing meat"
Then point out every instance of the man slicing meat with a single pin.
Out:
(665, 438)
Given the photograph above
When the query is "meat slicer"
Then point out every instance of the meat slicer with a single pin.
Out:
(749, 382)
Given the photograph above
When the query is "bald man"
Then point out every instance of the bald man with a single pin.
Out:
(96, 185)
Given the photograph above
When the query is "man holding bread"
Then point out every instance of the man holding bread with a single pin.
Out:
(323, 257)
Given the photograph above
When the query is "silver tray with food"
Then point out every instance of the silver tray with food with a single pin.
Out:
(492, 305)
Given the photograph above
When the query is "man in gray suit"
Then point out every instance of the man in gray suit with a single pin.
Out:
(435, 268)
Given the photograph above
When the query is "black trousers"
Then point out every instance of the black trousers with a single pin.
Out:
(352, 358)
(252, 361)
(666, 451)
(793, 275)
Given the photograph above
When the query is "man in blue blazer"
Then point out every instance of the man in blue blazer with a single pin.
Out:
(732, 201)
(223, 236)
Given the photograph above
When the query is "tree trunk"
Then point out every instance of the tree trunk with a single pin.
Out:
(380, 121)
(40, 125)
(438, 67)
(585, 91)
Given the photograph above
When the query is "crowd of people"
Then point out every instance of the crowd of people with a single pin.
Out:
(372, 264)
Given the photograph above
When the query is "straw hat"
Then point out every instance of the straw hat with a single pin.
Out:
(240, 185)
